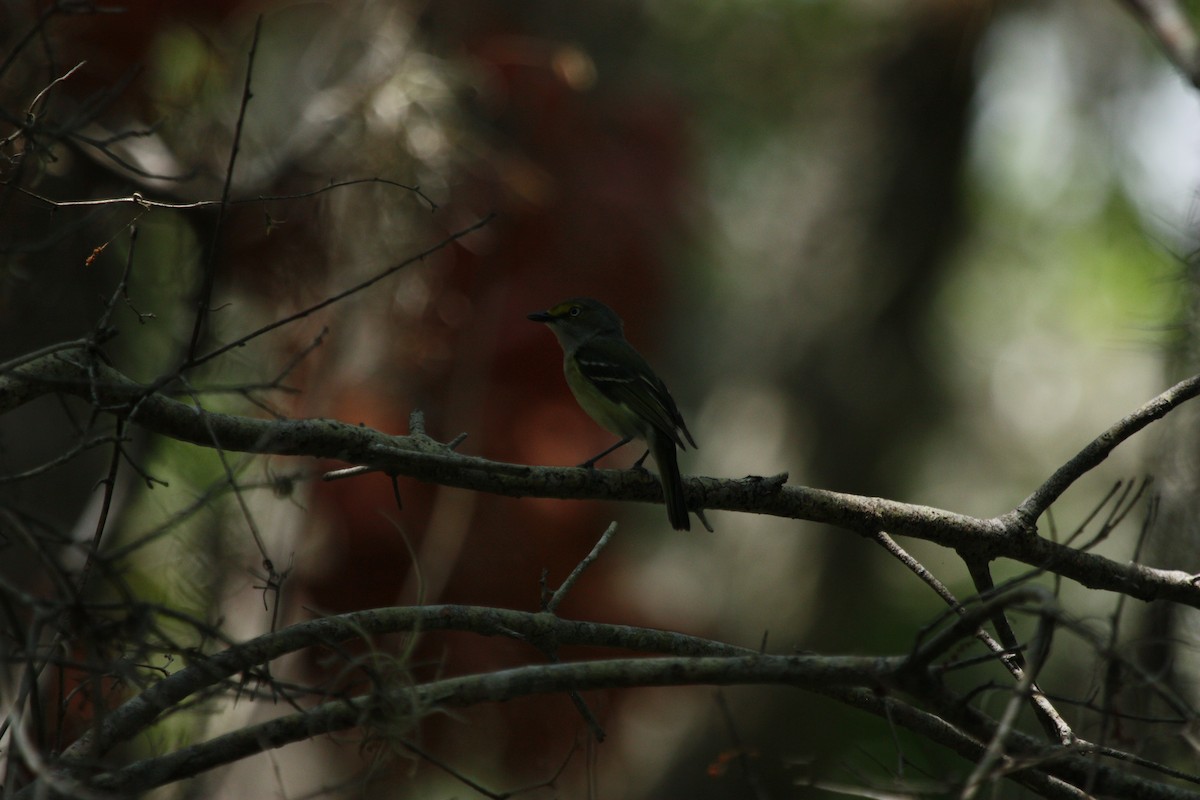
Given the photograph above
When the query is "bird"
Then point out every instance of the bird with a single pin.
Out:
(620, 391)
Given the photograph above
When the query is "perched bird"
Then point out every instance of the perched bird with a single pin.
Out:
(618, 389)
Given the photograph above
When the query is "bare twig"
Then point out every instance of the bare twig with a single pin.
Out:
(142, 201)
(1091, 456)
(997, 744)
(1051, 720)
(556, 599)
(204, 302)
(342, 295)
(110, 488)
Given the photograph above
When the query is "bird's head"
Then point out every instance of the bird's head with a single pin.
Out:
(581, 318)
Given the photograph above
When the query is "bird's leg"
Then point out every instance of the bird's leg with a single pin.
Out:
(638, 464)
(591, 462)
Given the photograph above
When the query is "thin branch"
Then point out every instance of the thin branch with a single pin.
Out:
(551, 650)
(1100, 447)
(141, 200)
(556, 599)
(204, 302)
(1056, 727)
(41, 469)
(997, 745)
(279, 323)
(34, 29)
(110, 489)
(31, 111)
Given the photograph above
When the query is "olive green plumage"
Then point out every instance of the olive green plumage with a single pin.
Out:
(618, 389)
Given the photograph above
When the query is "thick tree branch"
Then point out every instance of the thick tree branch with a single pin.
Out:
(869, 683)
(422, 458)
(540, 630)
(392, 707)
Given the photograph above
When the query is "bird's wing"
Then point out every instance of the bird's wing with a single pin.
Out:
(623, 376)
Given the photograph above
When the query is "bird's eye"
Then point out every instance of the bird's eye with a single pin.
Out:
(575, 311)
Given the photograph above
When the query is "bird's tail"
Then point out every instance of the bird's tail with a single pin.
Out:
(667, 460)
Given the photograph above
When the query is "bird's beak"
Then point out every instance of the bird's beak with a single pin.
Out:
(539, 316)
